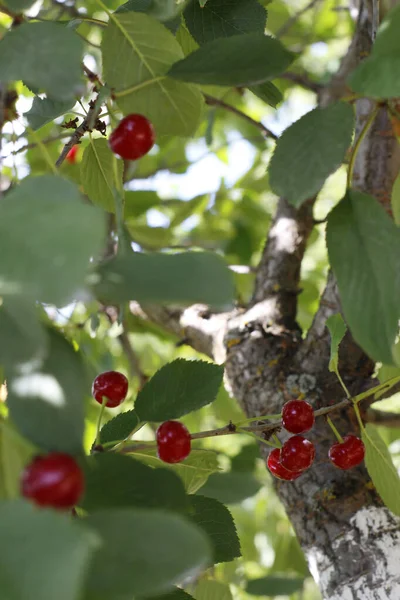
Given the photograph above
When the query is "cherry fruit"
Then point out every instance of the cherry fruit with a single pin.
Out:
(173, 442)
(54, 480)
(133, 137)
(275, 466)
(297, 416)
(71, 156)
(112, 385)
(347, 454)
(297, 453)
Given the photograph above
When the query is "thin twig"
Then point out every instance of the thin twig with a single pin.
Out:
(211, 101)
(49, 140)
(302, 80)
(293, 19)
(134, 364)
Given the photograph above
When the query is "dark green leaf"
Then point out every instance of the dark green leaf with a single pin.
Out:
(274, 586)
(135, 5)
(177, 594)
(50, 45)
(267, 92)
(163, 10)
(117, 481)
(149, 551)
(230, 488)
(220, 18)
(240, 60)
(363, 246)
(43, 554)
(177, 389)
(217, 522)
(41, 258)
(150, 49)
(15, 453)
(208, 589)
(310, 150)
(98, 173)
(164, 278)
(381, 469)
(245, 461)
(337, 329)
(17, 6)
(119, 427)
(22, 337)
(46, 397)
(44, 110)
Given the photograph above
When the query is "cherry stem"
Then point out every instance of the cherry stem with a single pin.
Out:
(99, 420)
(335, 431)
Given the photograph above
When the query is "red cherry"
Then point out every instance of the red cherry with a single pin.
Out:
(276, 468)
(133, 137)
(297, 416)
(111, 384)
(71, 156)
(297, 453)
(54, 480)
(347, 454)
(173, 442)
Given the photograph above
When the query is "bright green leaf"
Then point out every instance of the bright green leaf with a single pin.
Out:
(217, 522)
(117, 481)
(137, 203)
(119, 428)
(208, 589)
(396, 200)
(274, 585)
(381, 468)
(137, 543)
(50, 45)
(363, 246)
(149, 49)
(47, 237)
(164, 278)
(45, 110)
(337, 329)
(44, 554)
(98, 174)
(177, 389)
(230, 488)
(194, 470)
(310, 150)
(46, 397)
(240, 60)
(223, 19)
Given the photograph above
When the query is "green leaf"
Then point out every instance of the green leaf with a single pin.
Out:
(50, 45)
(217, 522)
(230, 488)
(47, 237)
(194, 470)
(310, 150)
(378, 75)
(337, 329)
(274, 585)
(363, 246)
(137, 203)
(381, 468)
(117, 481)
(17, 6)
(44, 554)
(22, 336)
(177, 389)
(98, 173)
(177, 594)
(245, 460)
(119, 428)
(186, 278)
(135, 5)
(149, 49)
(149, 551)
(15, 453)
(46, 397)
(208, 589)
(267, 92)
(224, 19)
(223, 61)
(396, 200)
(45, 110)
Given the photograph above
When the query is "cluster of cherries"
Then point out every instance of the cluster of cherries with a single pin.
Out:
(57, 480)
(297, 453)
(131, 139)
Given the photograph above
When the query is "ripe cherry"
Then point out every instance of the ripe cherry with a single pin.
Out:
(133, 137)
(276, 468)
(173, 442)
(297, 453)
(71, 156)
(54, 480)
(111, 384)
(297, 416)
(347, 454)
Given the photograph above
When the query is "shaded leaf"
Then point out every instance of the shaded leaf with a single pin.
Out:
(274, 585)
(118, 428)
(245, 460)
(22, 336)
(267, 92)
(337, 329)
(45, 110)
(15, 453)
(98, 174)
(230, 488)
(177, 594)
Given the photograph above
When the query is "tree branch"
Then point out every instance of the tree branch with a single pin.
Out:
(303, 81)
